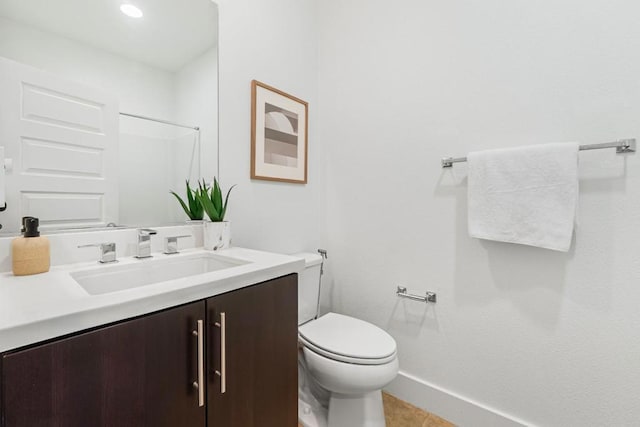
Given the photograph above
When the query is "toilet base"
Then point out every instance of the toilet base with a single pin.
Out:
(310, 416)
(365, 410)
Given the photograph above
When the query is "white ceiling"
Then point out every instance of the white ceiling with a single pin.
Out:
(170, 34)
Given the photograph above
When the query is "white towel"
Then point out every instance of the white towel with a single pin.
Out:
(525, 195)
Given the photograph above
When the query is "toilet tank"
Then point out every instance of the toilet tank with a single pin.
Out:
(308, 286)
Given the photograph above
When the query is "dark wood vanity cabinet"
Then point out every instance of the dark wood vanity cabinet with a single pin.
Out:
(141, 372)
(134, 373)
(256, 329)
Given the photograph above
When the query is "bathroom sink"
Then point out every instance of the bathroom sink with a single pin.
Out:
(115, 278)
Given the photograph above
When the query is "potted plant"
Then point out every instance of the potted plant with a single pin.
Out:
(217, 231)
(192, 207)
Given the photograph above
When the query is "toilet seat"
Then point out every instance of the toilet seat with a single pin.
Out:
(346, 339)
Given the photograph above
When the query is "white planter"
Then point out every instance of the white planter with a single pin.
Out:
(217, 235)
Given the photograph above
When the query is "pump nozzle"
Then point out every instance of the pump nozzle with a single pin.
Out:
(30, 226)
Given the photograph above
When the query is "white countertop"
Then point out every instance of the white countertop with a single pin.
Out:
(48, 305)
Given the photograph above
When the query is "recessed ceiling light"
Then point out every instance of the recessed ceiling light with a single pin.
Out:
(131, 10)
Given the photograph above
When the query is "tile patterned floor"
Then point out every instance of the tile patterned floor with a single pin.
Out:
(399, 413)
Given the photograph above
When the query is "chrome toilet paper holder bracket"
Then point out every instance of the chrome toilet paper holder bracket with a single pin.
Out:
(401, 292)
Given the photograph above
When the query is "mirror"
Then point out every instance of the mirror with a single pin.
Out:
(104, 108)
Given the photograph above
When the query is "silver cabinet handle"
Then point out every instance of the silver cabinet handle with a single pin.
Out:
(222, 373)
(199, 385)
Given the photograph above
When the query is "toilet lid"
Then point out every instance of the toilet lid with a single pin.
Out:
(347, 339)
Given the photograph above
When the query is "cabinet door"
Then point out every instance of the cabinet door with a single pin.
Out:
(135, 373)
(260, 331)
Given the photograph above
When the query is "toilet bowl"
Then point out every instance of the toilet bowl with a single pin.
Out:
(347, 359)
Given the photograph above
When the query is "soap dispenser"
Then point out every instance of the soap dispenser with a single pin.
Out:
(30, 253)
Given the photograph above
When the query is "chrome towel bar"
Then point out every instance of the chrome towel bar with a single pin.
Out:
(401, 291)
(622, 146)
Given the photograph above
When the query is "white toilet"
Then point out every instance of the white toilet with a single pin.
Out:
(344, 362)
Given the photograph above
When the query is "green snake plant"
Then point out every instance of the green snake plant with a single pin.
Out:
(211, 200)
(193, 208)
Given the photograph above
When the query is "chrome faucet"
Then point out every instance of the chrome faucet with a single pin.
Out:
(143, 249)
(107, 251)
(171, 244)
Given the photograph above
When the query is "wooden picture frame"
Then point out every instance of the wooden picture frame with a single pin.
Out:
(279, 135)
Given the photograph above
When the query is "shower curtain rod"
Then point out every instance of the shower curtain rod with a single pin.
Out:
(166, 122)
(621, 146)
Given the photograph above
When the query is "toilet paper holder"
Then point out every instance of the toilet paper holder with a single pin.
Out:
(401, 291)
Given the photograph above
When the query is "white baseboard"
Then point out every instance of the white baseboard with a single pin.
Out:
(448, 405)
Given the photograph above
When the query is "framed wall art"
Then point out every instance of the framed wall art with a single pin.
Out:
(278, 135)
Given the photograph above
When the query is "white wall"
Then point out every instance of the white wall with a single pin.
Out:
(274, 42)
(544, 337)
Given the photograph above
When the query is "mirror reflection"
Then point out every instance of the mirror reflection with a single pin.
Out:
(104, 109)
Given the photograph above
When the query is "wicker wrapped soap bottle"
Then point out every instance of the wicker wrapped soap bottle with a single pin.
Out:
(30, 253)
